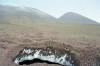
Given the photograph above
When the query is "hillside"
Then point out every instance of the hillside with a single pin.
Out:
(23, 15)
(72, 17)
(23, 27)
(26, 15)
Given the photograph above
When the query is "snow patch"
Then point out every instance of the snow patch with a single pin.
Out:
(31, 54)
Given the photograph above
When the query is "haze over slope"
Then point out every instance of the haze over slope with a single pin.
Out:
(28, 15)
(72, 17)
(23, 15)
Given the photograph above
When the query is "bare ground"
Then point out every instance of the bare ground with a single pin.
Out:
(85, 42)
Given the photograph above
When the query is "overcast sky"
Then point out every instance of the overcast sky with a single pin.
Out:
(88, 8)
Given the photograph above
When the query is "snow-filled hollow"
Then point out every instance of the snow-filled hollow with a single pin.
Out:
(49, 54)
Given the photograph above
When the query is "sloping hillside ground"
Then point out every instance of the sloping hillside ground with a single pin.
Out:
(84, 40)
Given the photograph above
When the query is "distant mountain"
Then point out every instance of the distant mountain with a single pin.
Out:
(23, 14)
(72, 17)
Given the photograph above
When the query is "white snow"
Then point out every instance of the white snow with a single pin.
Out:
(51, 58)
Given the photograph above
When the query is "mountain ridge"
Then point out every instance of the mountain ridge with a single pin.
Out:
(27, 14)
(72, 17)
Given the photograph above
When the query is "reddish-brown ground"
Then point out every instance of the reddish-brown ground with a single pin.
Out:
(83, 43)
